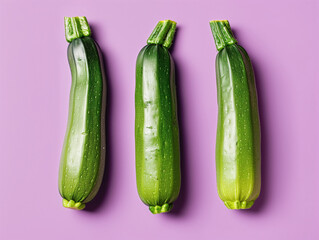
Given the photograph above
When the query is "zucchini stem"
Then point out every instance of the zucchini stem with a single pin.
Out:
(74, 205)
(76, 27)
(161, 209)
(163, 33)
(222, 33)
(239, 204)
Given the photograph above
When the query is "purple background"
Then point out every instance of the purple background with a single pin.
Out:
(281, 38)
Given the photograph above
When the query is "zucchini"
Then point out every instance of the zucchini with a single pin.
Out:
(156, 124)
(83, 154)
(238, 130)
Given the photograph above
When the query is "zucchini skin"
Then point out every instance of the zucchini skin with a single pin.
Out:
(238, 131)
(83, 155)
(156, 129)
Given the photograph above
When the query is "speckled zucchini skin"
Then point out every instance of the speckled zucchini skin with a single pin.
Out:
(238, 131)
(83, 155)
(156, 129)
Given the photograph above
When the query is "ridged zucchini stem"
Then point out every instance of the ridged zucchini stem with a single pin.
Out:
(76, 27)
(161, 209)
(163, 33)
(222, 33)
(239, 204)
(73, 205)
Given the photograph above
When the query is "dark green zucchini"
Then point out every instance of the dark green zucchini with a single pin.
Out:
(238, 130)
(156, 124)
(83, 155)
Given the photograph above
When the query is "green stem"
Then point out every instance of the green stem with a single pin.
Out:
(161, 209)
(163, 33)
(76, 27)
(72, 204)
(222, 33)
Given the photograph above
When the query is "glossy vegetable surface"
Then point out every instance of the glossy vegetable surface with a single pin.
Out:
(83, 154)
(156, 124)
(238, 130)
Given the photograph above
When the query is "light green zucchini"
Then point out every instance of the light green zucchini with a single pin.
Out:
(238, 130)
